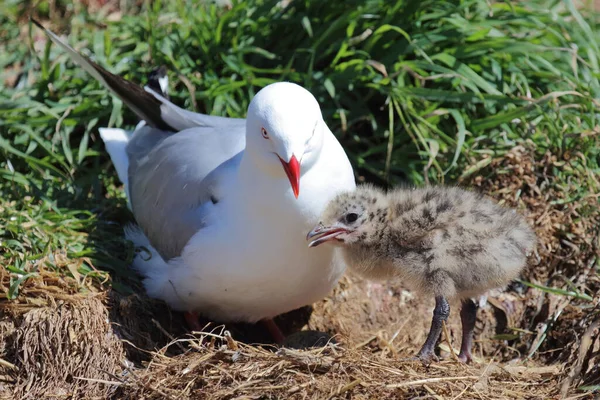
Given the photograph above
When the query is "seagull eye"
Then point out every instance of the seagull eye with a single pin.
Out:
(264, 132)
(350, 218)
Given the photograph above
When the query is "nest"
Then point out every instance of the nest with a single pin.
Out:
(563, 327)
(66, 350)
(375, 327)
(234, 370)
(57, 342)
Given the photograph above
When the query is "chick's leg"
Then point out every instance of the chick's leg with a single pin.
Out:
(468, 317)
(440, 315)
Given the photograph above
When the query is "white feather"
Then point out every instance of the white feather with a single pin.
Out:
(115, 140)
(244, 255)
(147, 260)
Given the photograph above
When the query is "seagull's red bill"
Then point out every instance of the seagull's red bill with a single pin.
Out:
(292, 170)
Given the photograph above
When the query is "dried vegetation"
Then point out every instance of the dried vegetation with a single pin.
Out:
(530, 343)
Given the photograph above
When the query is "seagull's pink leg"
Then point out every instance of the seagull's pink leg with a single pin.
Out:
(191, 318)
(273, 329)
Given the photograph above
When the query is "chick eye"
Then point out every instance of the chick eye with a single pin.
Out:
(264, 132)
(350, 218)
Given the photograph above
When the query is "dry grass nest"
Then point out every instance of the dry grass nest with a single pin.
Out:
(58, 342)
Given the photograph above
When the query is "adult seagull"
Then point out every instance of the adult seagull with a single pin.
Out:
(223, 205)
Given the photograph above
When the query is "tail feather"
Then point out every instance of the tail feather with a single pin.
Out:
(147, 262)
(160, 278)
(116, 141)
(150, 265)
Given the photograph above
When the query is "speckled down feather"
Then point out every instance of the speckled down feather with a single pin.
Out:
(440, 240)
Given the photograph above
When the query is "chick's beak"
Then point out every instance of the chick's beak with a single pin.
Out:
(292, 170)
(324, 234)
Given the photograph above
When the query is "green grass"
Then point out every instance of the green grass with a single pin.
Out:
(415, 91)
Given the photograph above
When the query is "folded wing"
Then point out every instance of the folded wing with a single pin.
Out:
(175, 166)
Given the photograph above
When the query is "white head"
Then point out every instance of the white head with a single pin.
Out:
(284, 127)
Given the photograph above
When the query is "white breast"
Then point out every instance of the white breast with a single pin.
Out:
(255, 262)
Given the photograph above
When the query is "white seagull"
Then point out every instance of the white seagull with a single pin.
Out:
(224, 205)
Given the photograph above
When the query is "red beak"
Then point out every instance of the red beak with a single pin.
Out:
(292, 170)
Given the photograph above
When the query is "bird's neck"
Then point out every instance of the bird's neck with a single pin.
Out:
(258, 195)
(370, 258)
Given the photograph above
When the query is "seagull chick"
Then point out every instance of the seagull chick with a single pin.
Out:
(441, 241)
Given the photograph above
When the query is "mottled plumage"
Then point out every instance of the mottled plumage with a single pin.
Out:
(443, 241)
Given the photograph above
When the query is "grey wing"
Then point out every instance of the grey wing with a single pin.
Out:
(180, 119)
(175, 178)
(166, 175)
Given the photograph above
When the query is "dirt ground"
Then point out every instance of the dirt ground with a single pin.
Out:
(58, 343)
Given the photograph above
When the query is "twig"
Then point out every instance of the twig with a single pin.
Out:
(167, 334)
(113, 383)
(274, 387)
(147, 386)
(197, 362)
(364, 343)
(431, 392)
(447, 337)
(8, 365)
(584, 345)
(297, 388)
(187, 387)
(431, 380)
(345, 388)
(231, 343)
(461, 393)
(577, 396)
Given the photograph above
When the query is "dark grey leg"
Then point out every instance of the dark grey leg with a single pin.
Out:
(440, 315)
(468, 317)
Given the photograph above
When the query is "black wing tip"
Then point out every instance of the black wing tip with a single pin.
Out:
(153, 80)
(36, 22)
(159, 72)
(115, 82)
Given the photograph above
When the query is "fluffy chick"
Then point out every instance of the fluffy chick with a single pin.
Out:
(443, 241)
